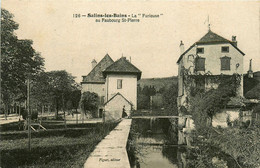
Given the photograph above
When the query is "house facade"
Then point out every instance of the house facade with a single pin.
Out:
(212, 55)
(116, 85)
(95, 82)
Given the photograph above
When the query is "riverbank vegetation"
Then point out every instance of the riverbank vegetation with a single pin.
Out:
(240, 140)
(52, 148)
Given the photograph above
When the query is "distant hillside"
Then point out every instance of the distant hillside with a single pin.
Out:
(158, 83)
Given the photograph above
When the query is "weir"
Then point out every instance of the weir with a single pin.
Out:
(111, 151)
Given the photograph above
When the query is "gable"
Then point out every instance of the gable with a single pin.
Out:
(211, 38)
(95, 75)
(117, 97)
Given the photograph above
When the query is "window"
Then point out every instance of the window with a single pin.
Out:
(200, 64)
(200, 50)
(225, 63)
(225, 49)
(119, 83)
(102, 100)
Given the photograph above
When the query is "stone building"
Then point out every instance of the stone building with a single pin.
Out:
(116, 85)
(95, 81)
(212, 55)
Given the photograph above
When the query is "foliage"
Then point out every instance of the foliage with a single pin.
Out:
(18, 61)
(170, 99)
(204, 105)
(254, 93)
(41, 90)
(89, 102)
(143, 101)
(55, 88)
(246, 147)
(249, 84)
(144, 96)
(257, 109)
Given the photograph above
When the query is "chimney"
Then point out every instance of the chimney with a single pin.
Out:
(94, 63)
(250, 71)
(234, 40)
(181, 48)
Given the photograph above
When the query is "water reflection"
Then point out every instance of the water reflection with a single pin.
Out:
(153, 143)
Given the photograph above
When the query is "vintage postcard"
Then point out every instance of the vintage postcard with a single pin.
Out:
(120, 84)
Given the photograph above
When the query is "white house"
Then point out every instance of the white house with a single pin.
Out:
(212, 55)
(116, 85)
(121, 81)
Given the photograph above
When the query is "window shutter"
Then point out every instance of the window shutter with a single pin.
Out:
(200, 64)
(225, 63)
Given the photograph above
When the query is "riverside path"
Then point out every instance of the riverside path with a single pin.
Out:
(111, 151)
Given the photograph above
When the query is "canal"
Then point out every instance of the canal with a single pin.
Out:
(153, 143)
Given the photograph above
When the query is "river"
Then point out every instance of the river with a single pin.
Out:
(153, 143)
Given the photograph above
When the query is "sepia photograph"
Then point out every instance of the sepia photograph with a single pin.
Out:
(130, 84)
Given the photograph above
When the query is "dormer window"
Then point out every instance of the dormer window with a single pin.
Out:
(200, 50)
(200, 64)
(225, 49)
(225, 63)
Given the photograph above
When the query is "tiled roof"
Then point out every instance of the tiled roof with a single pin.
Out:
(95, 75)
(211, 38)
(122, 66)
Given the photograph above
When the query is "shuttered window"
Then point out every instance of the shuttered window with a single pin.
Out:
(225, 63)
(119, 83)
(200, 64)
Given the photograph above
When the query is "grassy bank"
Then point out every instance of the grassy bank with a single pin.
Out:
(53, 148)
(242, 144)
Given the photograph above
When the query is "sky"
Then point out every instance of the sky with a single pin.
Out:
(69, 43)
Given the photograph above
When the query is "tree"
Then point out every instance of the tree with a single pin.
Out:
(144, 96)
(61, 84)
(254, 93)
(41, 91)
(142, 101)
(170, 99)
(203, 106)
(75, 98)
(89, 102)
(18, 61)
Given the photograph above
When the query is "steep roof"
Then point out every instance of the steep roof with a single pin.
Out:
(122, 66)
(95, 75)
(211, 38)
